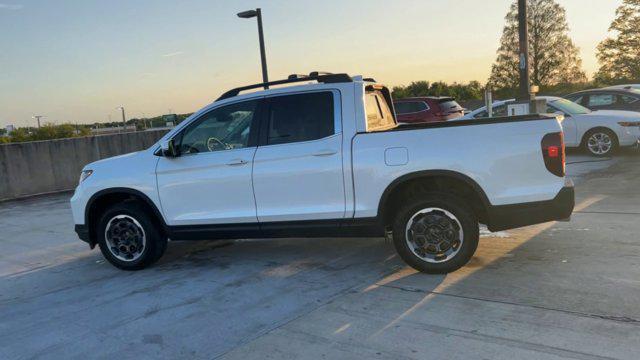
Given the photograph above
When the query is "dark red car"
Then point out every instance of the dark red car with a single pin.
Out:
(427, 109)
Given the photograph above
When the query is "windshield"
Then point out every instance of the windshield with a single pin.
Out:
(569, 107)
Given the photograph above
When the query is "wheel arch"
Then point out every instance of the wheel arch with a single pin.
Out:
(102, 199)
(599, 127)
(439, 180)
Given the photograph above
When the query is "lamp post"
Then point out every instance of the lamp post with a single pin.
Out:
(38, 117)
(124, 121)
(263, 58)
(523, 34)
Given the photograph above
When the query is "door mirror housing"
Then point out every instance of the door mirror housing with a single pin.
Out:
(168, 149)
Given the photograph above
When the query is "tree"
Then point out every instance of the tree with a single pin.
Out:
(619, 56)
(20, 135)
(471, 91)
(553, 58)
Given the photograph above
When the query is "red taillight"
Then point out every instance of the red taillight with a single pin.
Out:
(553, 153)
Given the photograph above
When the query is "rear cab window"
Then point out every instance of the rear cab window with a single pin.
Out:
(380, 117)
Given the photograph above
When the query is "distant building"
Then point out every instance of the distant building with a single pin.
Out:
(10, 129)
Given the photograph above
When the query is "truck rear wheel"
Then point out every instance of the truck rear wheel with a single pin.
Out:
(435, 233)
(129, 238)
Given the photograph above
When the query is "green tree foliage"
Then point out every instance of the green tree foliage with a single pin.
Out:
(470, 91)
(619, 56)
(20, 135)
(48, 131)
(553, 58)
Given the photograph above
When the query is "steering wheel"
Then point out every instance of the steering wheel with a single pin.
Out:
(214, 142)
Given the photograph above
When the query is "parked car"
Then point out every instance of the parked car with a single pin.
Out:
(598, 132)
(608, 99)
(325, 159)
(427, 109)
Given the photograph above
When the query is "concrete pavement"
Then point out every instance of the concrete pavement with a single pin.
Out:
(556, 290)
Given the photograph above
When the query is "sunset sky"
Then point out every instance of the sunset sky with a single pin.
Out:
(76, 61)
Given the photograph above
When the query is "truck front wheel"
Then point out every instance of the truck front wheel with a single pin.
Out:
(435, 233)
(128, 237)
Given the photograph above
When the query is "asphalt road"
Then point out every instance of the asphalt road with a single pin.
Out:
(556, 290)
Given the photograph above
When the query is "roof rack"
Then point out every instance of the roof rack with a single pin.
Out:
(321, 77)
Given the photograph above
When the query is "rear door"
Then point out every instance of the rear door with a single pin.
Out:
(297, 170)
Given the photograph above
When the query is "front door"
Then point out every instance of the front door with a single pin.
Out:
(210, 182)
(297, 170)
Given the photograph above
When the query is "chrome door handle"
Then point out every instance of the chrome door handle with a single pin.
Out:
(236, 162)
(326, 152)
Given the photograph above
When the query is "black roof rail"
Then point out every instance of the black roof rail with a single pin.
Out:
(320, 77)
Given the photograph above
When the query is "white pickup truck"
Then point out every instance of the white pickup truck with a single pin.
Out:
(325, 159)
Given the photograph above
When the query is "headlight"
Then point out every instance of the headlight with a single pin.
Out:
(84, 175)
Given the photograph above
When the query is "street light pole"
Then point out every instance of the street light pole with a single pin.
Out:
(38, 117)
(523, 34)
(124, 121)
(263, 57)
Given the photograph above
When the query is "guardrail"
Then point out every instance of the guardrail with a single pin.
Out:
(41, 167)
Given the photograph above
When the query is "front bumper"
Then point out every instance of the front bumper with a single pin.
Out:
(504, 217)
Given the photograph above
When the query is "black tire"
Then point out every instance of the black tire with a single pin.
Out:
(450, 203)
(156, 242)
(614, 139)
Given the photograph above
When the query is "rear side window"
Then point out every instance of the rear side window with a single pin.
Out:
(379, 115)
(300, 117)
(408, 107)
(624, 99)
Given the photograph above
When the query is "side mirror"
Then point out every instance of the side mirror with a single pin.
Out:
(168, 149)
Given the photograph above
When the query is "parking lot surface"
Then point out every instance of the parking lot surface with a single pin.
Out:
(555, 290)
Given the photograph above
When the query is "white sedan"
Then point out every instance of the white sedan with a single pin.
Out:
(598, 132)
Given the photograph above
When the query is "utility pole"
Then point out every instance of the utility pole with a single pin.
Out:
(263, 57)
(523, 33)
(38, 117)
(124, 121)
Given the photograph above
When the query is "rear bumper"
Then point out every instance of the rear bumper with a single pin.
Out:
(506, 217)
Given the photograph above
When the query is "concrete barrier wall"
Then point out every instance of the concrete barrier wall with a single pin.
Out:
(49, 166)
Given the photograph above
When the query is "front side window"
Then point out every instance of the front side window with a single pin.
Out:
(224, 128)
(300, 117)
(601, 100)
(569, 107)
(575, 99)
(496, 111)
(408, 107)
